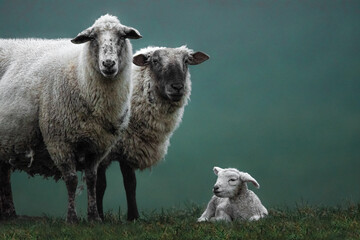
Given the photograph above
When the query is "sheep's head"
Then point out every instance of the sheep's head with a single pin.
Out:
(169, 70)
(230, 182)
(108, 44)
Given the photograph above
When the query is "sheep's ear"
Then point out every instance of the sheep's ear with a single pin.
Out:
(83, 37)
(217, 170)
(245, 177)
(197, 58)
(132, 33)
(140, 60)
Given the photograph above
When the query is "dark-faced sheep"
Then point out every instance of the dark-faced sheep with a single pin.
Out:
(161, 91)
(63, 106)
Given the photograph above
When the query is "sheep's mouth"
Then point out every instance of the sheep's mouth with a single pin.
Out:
(175, 97)
(217, 193)
(109, 73)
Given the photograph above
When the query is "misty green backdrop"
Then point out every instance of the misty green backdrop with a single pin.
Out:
(279, 98)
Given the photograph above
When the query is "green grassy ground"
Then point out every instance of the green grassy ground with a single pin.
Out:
(300, 223)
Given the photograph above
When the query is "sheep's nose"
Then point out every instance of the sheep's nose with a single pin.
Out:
(108, 63)
(177, 86)
(216, 188)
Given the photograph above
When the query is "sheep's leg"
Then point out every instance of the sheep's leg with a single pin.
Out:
(209, 211)
(71, 181)
(221, 215)
(129, 179)
(7, 209)
(90, 175)
(1, 207)
(255, 218)
(100, 190)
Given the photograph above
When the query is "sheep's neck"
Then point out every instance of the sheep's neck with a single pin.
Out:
(103, 95)
(241, 191)
(152, 117)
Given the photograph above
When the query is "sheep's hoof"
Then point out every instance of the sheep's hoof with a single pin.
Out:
(202, 219)
(94, 219)
(133, 218)
(8, 216)
(72, 220)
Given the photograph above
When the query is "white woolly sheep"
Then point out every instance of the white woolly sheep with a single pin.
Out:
(162, 88)
(63, 106)
(233, 200)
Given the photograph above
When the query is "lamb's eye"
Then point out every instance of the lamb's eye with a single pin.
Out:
(232, 180)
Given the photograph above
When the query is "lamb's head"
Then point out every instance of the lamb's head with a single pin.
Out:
(169, 71)
(231, 181)
(109, 46)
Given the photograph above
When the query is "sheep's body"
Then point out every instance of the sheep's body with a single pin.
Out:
(152, 122)
(155, 113)
(20, 90)
(232, 199)
(60, 110)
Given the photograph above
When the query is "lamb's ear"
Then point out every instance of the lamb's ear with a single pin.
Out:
(217, 170)
(245, 177)
(197, 58)
(140, 60)
(83, 37)
(132, 33)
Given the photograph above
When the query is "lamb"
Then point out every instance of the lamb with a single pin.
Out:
(232, 199)
(162, 88)
(63, 106)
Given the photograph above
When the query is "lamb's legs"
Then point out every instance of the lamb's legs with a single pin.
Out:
(209, 211)
(7, 209)
(129, 179)
(221, 215)
(90, 175)
(100, 190)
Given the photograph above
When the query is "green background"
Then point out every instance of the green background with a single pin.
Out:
(279, 98)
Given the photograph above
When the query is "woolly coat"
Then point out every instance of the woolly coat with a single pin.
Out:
(245, 206)
(152, 122)
(53, 102)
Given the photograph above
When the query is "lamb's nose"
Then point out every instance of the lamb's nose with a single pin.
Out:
(108, 63)
(177, 86)
(216, 188)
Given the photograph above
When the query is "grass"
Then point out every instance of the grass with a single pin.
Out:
(304, 222)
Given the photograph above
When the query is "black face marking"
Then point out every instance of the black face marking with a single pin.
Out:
(169, 71)
(94, 52)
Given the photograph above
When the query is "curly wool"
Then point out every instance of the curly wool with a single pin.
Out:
(152, 122)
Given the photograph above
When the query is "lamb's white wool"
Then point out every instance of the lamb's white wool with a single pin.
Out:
(232, 199)
(67, 100)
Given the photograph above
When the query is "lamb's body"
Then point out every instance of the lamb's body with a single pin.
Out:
(233, 200)
(156, 114)
(59, 111)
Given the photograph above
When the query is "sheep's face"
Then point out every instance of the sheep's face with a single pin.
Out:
(169, 70)
(230, 182)
(108, 45)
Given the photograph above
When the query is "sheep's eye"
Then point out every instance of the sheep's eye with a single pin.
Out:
(93, 40)
(92, 37)
(155, 61)
(232, 180)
